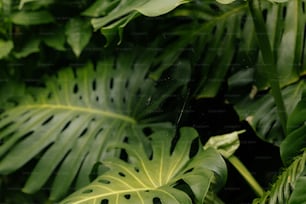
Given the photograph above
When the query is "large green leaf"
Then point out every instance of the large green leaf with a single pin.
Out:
(155, 178)
(249, 81)
(116, 14)
(287, 184)
(296, 132)
(73, 120)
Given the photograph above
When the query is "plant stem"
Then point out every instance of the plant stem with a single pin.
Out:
(268, 58)
(246, 175)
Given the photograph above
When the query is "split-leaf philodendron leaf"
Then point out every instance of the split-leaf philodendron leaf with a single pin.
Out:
(155, 178)
(70, 123)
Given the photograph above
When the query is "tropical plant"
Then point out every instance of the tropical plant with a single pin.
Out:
(81, 106)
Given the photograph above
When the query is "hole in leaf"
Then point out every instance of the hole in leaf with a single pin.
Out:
(103, 181)
(94, 85)
(121, 174)
(147, 131)
(66, 126)
(81, 97)
(127, 196)
(104, 201)
(111, 83)
(194, 148)
(123, 100)
(48, 120)
(75, 88)
(127, 83)
(284, 12)
(136, 169)
(183, 186)
(97, 98)
(157, 200)
(112, 100)
(188, 171)
(214, 7)
(88, 191)
(83, 132)
(49, 95)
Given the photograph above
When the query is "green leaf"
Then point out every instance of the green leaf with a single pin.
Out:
(298, 196)
(287, 183)
(30, 47)
(296, 132)
(117, 14)
(55, 39)
(77, 116)
(149, 180)
(78, 33)
(260, 111)
(225, 144)
(5, 48)
(32, 18)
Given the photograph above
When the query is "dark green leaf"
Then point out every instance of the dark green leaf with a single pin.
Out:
(296, 132)
(78, 33)
(30, 47)
(298, 196)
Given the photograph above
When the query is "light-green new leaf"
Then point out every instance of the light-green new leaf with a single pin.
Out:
(78, 33)
(225, 144)
(154, 178)
(32, 17)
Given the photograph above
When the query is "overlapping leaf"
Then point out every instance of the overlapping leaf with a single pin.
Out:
(155, 178)
(296, 131)
(71, 122)
(114, 15)
(249, 84)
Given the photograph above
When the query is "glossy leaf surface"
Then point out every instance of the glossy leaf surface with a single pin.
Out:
(74, 119)
(150, 179)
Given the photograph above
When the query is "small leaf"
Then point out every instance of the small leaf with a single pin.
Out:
(225, 144)
(30, 47)
(78, 33)
(32, 17)
(55, 39)
(5, 48)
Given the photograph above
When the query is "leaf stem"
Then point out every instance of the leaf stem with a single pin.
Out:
(246, 175)
(269, 59)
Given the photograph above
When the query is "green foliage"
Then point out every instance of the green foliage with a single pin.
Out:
(287, 188)
(295, 140)
(77, 116)
(99, 95)
(155, 177)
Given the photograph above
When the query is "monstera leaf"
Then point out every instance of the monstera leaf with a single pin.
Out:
(156, 178)
(249, 88)
(69, 124)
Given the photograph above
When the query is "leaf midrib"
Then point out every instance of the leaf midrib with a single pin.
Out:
(81, 109)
